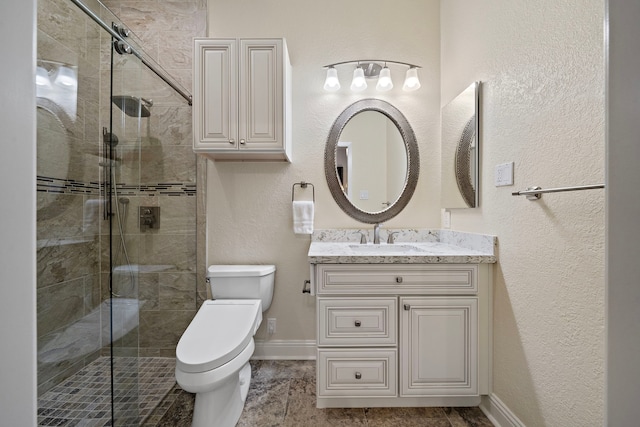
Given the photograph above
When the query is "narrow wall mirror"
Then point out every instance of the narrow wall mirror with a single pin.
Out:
(371, 161)
(461, 150)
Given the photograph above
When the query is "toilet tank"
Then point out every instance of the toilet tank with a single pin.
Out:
(242, 282)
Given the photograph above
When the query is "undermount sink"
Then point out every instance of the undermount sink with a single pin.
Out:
(388, 248)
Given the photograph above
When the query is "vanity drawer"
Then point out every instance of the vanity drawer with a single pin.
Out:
(357, 321)
(405, 279)
(359, 373)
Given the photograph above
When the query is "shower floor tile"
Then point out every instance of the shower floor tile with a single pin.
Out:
(84, 399)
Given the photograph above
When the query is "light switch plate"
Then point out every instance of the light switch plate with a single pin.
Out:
(446, 218)
(504, 174)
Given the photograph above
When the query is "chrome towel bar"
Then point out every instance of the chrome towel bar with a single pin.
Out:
(535, 193)
(302, 184)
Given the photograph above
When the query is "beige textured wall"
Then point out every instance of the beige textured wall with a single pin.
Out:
(249, 204)
(543, 107)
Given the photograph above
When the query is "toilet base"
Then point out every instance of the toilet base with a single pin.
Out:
(223, 407)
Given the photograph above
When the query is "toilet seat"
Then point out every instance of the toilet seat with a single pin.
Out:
(220, 330)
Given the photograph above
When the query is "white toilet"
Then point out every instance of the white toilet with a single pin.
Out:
(212, 356)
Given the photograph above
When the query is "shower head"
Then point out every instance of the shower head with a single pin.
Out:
(132, 106)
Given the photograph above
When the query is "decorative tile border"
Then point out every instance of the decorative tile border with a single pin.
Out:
(47, 184)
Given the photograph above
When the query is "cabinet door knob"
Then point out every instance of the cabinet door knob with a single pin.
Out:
(399, 279)
(358, 375)
(232, 141)
(407, 307)
(358, 323)
(242, 141)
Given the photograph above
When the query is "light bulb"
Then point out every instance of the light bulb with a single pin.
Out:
(332, 84)
(42, 77)
(66, 77)
(384, 81)
(358, 84)
(411, 80)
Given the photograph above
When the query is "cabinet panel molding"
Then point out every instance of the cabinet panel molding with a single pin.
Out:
(242, 99)
(357, 373)
(394, 279)
(357, 321)
(439, 342)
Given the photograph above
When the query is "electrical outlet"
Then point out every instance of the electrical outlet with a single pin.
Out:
(271, 326)
(504, 174)
(364, 194)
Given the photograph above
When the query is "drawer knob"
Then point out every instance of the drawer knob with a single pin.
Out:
(232, 141)
(358, 323)
(399, 279)
(358, 375)
(407, 307)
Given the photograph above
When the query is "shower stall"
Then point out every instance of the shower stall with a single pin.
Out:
(116, 214)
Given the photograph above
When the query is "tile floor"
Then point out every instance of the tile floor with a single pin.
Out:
(84, 398)
(282, 393)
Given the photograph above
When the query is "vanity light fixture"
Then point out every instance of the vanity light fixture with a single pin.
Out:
(42, 76)
(359, 83)
(66, 76)
(332, 84)
(370, 69)
(384, 81)
(411, 80)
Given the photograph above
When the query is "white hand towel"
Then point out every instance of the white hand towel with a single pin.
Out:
(303, 217)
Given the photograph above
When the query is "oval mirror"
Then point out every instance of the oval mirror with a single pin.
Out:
(371, 161)
(54, 139)
(460, 150)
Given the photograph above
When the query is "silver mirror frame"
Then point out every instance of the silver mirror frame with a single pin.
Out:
(59, 204)
(413, 160)
(463, 159)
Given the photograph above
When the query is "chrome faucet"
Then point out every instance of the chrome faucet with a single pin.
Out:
(376, 234)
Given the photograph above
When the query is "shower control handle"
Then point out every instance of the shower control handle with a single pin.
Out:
(149, 217)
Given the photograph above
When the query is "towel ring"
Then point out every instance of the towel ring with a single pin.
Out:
(302, 184)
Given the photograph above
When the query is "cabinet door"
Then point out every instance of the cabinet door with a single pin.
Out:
(215, 106)
(439, 346)
(261, 95)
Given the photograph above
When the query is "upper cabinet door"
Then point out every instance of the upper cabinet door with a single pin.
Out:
(215, 109)
(242, 99)
(261, 93)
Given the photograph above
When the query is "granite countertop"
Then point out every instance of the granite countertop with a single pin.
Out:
(410, 247)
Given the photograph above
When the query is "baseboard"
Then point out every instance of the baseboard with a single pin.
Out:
(285, 350)
(499, 414)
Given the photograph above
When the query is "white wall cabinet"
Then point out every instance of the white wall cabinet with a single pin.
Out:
(402, 334)
(242, 99)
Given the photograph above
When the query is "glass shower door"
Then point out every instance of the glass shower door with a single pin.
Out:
(122, 137)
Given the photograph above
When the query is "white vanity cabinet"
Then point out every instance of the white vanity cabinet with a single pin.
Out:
(242, 99)
(402, 334)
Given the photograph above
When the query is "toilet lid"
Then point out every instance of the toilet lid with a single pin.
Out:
(220, 330)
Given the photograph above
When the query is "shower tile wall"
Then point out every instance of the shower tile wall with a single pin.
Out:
(155, 153)
(68, 283)
(73, 246)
